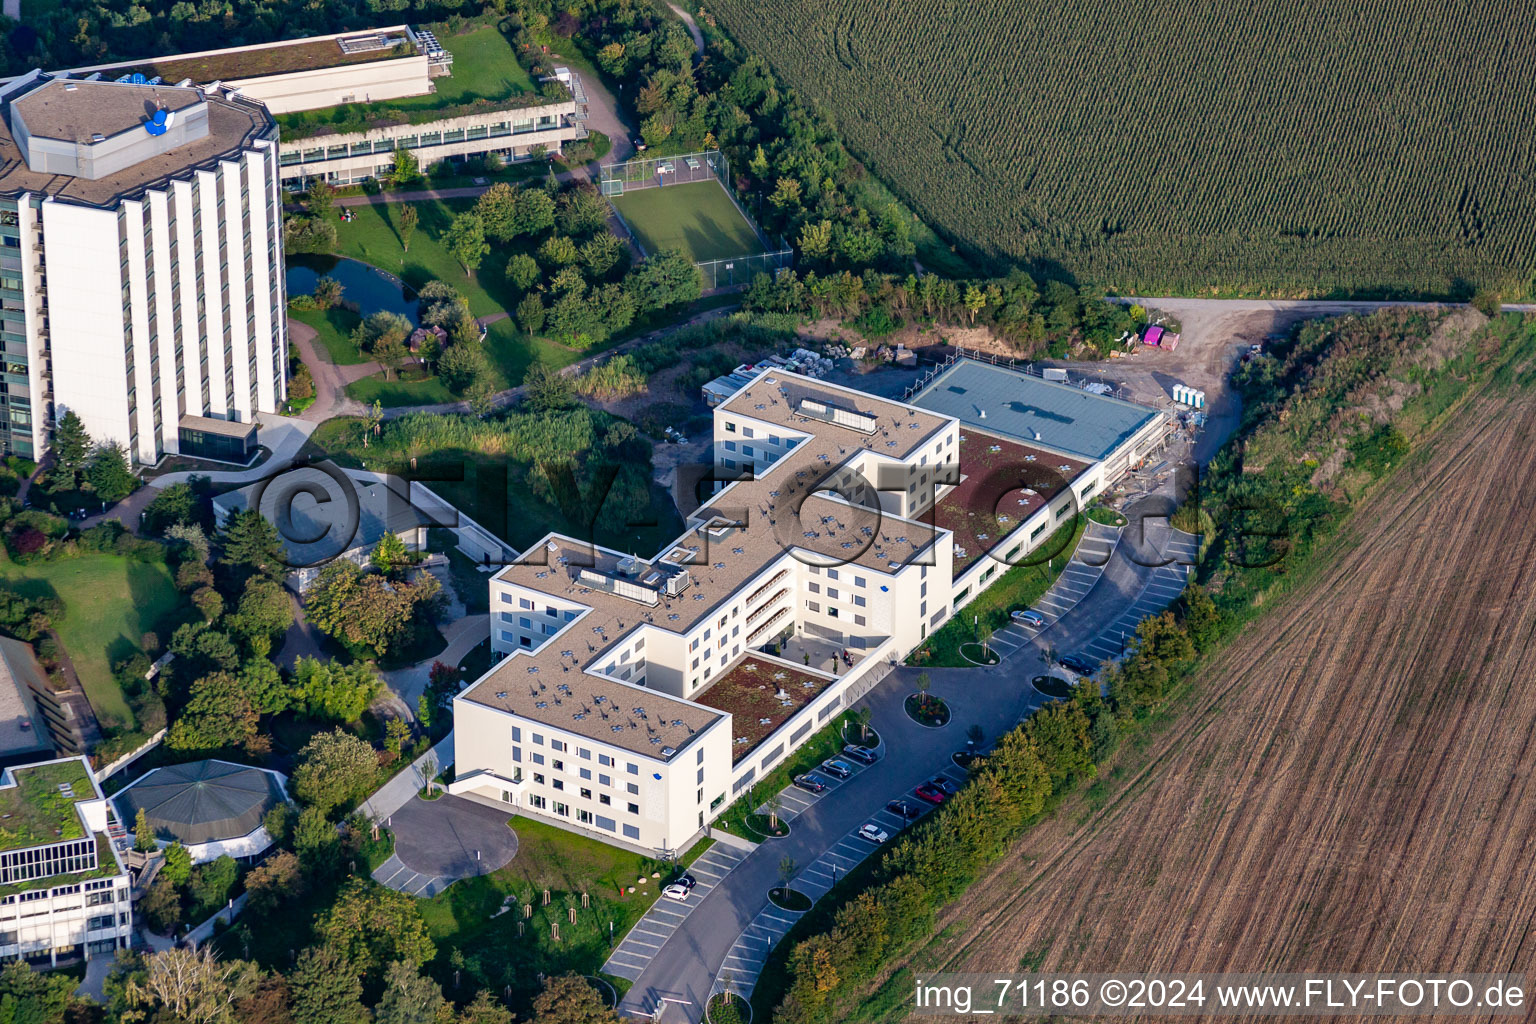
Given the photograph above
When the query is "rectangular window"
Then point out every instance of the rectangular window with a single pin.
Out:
(634, 808)
(631, 832)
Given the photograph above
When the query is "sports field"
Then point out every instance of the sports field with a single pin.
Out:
(698, 218)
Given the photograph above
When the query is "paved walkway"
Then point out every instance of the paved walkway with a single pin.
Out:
(438, 842)
(402, 789)
(331, 380)
(463, 635)
(629, 959)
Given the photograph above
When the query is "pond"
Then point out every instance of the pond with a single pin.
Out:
(372, 290)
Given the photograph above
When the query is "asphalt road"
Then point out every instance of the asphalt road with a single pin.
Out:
(687, 963)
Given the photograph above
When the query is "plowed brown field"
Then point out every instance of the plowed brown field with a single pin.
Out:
(1351, 790)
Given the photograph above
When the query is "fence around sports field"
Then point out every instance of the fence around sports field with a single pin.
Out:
(741, 269)
(661, 171)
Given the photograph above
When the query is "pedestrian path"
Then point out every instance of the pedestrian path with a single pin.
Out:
(743, 964)
(1079, 576)
(1164, 587)
(653, 930)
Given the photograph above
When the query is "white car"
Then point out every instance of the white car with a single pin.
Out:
(873, 833)
(675, 891)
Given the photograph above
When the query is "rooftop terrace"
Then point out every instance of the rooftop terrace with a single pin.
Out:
(276, 58)
(39, 808)
(1001, 485)
(1017, 405)
(749, 691)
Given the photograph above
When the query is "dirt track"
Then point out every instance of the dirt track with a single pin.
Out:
(1352, 789)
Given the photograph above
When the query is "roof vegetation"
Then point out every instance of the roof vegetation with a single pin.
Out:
(40, 808)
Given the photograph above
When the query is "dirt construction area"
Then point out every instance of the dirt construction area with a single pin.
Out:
(1351, 787)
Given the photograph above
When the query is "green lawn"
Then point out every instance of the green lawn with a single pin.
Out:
(698, 218)
(396, 392)
(1019, 587)
(109, 603)
(468, 915)
(373, 237)
(484, 68)
(333, 333)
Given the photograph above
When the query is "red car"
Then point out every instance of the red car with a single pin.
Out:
(931, 793)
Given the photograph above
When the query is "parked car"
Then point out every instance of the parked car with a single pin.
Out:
(863, 755)
(903, 810)
(949, 788)
(810, 783)
(685, 880)
(1025, 617)
(931, 793)
(873, 833)
(639, 145)
(676, 891)
(1077, 663)
(837, 768)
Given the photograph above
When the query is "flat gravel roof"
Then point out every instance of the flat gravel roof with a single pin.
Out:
(1015, 404)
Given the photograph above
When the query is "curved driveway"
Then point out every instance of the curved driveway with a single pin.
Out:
(995, 698)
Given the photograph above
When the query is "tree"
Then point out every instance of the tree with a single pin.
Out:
(497, 208)
(316, 842)
(530, 313)
(327, 689)
(483, 1010)
(668, 278)
(409, 998)
(263, 614)
(364, 610)
(389, 554)
(161, 905)
(409, 218)
(209, 602)
(558, 251)
(326, 989)
(546, 389)
(176, 505)
(480, 396)
(462, 365)
(143, 835)
(275, 883)
(71, 445)
(192, 985)
(861, 717)
(327, 293)
(372, 926)
(535, 211)
(335, 769)
(406, 168)
(212, 884)
(568, 999)
(787, 869)
(391, 354)
(923, 683)
(321, 198)
(523, 271)
(601, 254)
(582, 211)
(251, 545)
(33, 997)
(109, 473)
(465, 241)
(218, 716)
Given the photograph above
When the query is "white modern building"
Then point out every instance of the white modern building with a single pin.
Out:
(141, 273)
(636, 697)
(64, 894)
(335, 78)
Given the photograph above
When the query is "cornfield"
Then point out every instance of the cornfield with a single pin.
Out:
(1275, 147)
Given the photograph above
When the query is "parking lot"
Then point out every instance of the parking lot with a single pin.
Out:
(744, 962)
(651, 932)
(1074, 583)
(1164, 586)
